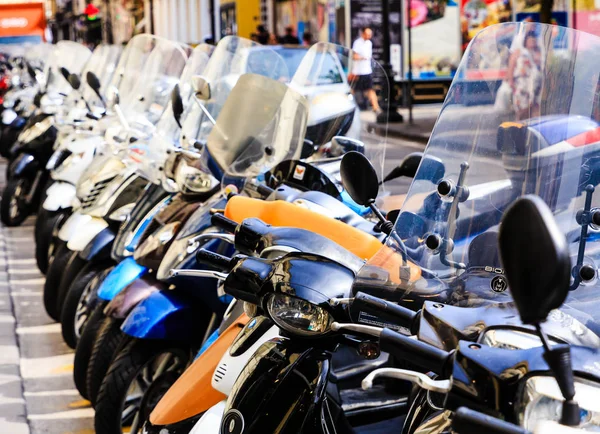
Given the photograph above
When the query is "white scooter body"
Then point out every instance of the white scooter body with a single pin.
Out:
(227, 372)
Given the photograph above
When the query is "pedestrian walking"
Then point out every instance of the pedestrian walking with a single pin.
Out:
(262, 35)
(361, 78)
(289, 38)
(307, 40)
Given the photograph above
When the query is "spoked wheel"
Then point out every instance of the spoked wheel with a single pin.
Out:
(14, 208)
(80, 301)
(137, 378)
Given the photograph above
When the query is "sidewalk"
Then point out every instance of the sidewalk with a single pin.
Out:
(424, 117)
(37, 395)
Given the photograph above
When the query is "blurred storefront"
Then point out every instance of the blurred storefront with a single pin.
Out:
(186, 21)
(22, 21)
(241, 17)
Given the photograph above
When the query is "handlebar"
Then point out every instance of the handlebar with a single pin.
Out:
(388, 311)
(467, 421)
(220, 262)
(222, 222)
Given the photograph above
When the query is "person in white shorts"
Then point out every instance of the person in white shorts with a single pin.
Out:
(362, 71)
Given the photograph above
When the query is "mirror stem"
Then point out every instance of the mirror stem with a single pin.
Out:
(558, 358)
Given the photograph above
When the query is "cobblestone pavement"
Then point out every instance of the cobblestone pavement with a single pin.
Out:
(37, 394)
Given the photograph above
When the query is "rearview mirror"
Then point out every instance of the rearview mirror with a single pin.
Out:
(341, 145)
(201, 87)
(535, 256)
(65, 72)
(74, 81)
(93, 81)
(308, 149)
(177, 104)
(407, 167)
(359, 178)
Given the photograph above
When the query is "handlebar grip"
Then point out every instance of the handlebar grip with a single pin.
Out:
(222, 222)
(220, 262)
(418, 353)
(386, 310)
(264, 190)
(467, 421)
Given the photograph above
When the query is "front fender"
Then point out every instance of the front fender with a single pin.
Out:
(100, 246)
(85, 233)
(281, 389)
(59, 196)
(119, 278)
(74, 223)
(167, 315)
(24, 165)
(133, 294)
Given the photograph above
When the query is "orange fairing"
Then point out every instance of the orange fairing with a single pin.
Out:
(280, 213)
(192, 393)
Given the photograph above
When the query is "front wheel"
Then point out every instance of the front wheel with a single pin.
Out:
(80, 301)
(14, 208)
(45, 225)
(140, 369)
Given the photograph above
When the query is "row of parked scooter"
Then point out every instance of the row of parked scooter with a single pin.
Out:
(226, 254)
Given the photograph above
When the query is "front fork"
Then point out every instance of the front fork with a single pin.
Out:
(34, 187)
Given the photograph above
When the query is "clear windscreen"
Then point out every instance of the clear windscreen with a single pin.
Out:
(521, 117)
(167, 131)
(37, 54)
(262, 123)
(70, 55)
(154, 83)
(326, 77)
(232, 57)
(103, 63)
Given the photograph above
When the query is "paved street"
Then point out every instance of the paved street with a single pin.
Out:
(37, 394)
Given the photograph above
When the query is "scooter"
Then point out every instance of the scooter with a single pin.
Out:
(149, 159)
(114, 183)
(27, 175)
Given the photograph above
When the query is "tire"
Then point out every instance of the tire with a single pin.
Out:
(72, 269)
(13, 208)
(84, 348)
(45, 224)
(128, 364)
(80, 302)
(53, 278)
(109, 340)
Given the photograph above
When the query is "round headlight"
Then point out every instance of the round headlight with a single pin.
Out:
(298, 316)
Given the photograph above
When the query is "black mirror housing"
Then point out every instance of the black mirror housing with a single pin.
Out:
(65, 72)
(177, 104)
(536, 260)
(74, 81)
(407, 167)
(93, 81)
(359, 178)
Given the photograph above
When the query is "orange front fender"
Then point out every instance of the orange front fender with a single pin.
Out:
(192, 393)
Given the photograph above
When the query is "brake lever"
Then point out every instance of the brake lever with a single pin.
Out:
(195, 242)
(357, 328)
(418, 378)
(175, 272)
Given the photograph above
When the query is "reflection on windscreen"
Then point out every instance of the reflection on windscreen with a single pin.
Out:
(325, 69)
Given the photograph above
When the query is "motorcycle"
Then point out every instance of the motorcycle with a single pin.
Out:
(456, 254)
(27, 175)
(149, 159)
(110, 184)
(77, 141)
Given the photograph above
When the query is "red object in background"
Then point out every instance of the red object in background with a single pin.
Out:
(91, 11)
(22, 19)
(4, 83)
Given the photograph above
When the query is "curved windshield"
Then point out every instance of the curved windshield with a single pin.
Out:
(66, 54)
(227, 63)
(521, 117)
(334, 102)
(167, 129)
(103, 63)
(156, 80)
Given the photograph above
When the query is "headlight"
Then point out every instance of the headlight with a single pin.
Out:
(298, 316)
(157, 239)
(36, 130)
(542, 401)
(121, 214)
(193, 180)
